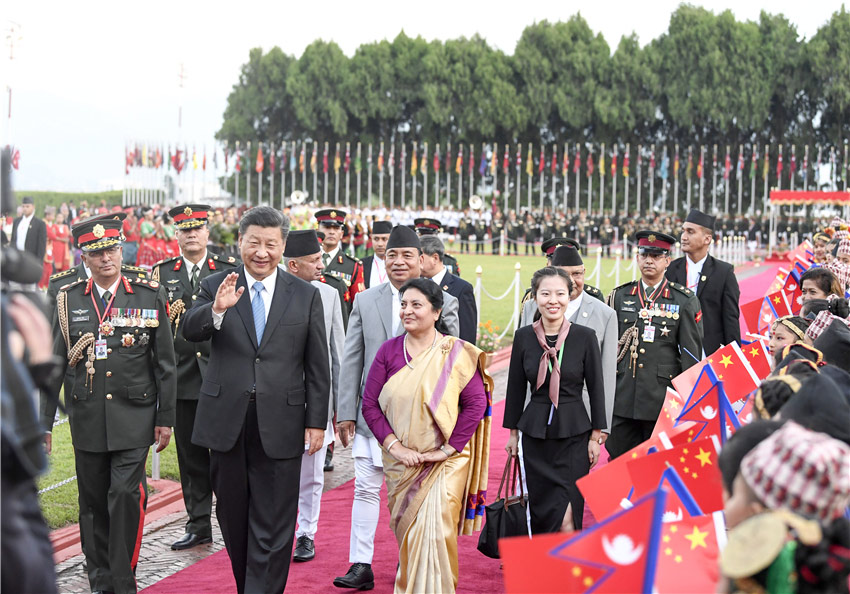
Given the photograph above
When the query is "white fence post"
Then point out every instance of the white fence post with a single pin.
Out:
(517, 282)
(618, 257)
(478, 271)
(598, 272)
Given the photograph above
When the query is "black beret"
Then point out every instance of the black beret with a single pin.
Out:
(700, 218)
(566, 255)
(382, 228)
(301, 243)
(403, 236)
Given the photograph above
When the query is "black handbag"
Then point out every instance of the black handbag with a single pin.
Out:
(506, 516)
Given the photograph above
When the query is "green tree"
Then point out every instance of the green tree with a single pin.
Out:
(829, 58)
(316, 83)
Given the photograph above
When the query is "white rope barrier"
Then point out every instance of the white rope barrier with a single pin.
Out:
(515, 286)
(503, 295)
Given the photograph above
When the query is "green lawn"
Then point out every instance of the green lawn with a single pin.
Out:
(497, 273)
(60, 505)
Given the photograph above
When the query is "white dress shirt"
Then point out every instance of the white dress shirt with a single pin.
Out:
(397, 326)
(573, 305)
(378, 274)
(189, 265)
(23, 229)
(331, 253)
(438, 278)
(268, 294)
(694, 270)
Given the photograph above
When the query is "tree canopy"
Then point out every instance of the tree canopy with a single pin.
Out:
(708, 79)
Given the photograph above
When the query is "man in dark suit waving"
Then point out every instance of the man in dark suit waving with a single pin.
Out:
(713, 281)
(263, 400)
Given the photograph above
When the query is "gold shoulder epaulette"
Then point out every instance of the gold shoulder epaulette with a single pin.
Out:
(63, 274)
(72, 284)
(682, 289)
(166, 261)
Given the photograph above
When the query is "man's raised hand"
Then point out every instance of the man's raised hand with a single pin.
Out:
(227, 294)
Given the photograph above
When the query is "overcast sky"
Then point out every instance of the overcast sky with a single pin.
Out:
(88, 76)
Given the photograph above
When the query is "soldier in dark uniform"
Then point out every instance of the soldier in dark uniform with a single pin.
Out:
(181, 277)
(496, 228)
(514, 232)
(464, 230)
(336, 283)
(660, 328)
(114, 332)
(337, 263)
(480, 232)
(432, 227)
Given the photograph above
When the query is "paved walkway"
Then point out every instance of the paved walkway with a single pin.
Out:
(158, 561)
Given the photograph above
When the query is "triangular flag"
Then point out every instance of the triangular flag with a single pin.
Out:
(619, 554)
(687, 556)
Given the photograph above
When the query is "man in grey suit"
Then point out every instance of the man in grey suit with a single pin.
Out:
(374, 320)
(585, 310)
(303, 258)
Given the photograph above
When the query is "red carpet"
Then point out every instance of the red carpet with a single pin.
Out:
(478, 574)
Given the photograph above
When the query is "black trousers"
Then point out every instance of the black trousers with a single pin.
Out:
(194, 462)
(256, 506)
(27, 553)
(626, 434)
(496, 245)
(552, 467)
(113, 496)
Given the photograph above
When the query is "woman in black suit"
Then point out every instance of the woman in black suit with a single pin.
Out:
(560, 443)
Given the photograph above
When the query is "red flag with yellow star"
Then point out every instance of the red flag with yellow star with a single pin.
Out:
(757, 356)
(687, 557)
(696, 465)
(619, 554)
(666, 432)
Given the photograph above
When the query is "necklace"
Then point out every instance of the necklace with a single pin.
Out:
(406, 358)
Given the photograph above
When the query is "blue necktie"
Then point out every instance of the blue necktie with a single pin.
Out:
(259, 311)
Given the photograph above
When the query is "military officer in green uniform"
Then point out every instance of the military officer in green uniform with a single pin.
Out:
(424, 226)
(113, 331)
(339, 285)
(337, 263)
(181, 278)
(660, 329)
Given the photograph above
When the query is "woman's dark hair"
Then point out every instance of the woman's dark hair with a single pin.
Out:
(546, 272)
(739, 445)
(433, 293)
(825, 280)
(837, 307)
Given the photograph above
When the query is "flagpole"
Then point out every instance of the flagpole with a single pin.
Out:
(554, 174)
(315, 168)
(792, 166)
(578, 179)
(448, 174)
(391, 171)
(336, 175)
(665, 169)
(347, 174)
(471, 169)
(381, 176)
(358, 165)
(726, 181)
(325, 174)
(702, 175)
(651, 199)
(403, 167)
(260, 178)
(564, 174)
(505, 172)
(602, 180)
(304, 168)
(460, 178)
(542, 176)
(248, 184)
(626, 180)
(518, 174)
(437, 177)
(805, 169)
(779, 171)
(423, 163)
(740, 177)
(589, 181)
(271, 174)
(753, 167)
(766, 176)
(530, 170)
(639, 162)
(369, 175)
(413, 177)
(614, 181)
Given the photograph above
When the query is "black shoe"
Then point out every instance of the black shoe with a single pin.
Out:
(190, 540)
(304, 549)
(359, 577)
(329, 460)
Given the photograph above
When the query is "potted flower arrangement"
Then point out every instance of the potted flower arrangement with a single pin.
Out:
(488, 339)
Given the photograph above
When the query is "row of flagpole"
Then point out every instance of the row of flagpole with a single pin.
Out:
(292, 164)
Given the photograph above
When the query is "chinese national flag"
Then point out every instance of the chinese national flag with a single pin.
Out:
(618, 554)
(696, 465)
(666, 431)
(734, 370)
(757, 356)
(687, 557)
(260, 162)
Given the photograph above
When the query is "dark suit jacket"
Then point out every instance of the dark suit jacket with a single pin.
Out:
(36, 241)
(289, 368)
(467, 312)
(718, 296)
(367, 269)
(582, 364)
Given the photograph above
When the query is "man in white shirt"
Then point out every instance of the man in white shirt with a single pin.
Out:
(29, 233)
(374, 266)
